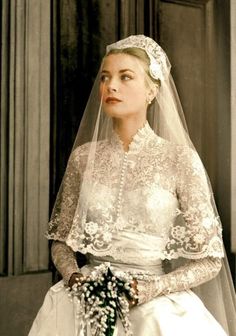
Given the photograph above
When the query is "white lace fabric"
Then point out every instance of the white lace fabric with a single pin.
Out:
(155, 188)
(190, 275)
(148, 204)
(64, 259)
(149, 284)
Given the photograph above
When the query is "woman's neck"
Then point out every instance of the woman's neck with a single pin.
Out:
(126, 129)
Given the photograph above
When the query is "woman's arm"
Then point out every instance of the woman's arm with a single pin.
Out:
(197, 237)
(196, 233)
(190, 275)
(64, 259)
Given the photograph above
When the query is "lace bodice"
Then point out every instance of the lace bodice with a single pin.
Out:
(156, 188)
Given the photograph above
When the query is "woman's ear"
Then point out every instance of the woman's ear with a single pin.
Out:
(152, 92)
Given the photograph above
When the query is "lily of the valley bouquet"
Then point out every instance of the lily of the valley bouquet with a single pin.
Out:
(103, 297)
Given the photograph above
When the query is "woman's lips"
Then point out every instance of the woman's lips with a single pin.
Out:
(112, 100)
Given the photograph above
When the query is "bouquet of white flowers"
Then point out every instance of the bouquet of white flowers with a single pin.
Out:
(103, 297)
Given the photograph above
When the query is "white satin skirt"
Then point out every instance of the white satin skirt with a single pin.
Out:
(175, 314)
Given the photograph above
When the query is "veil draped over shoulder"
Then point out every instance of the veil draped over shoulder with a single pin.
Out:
(166, 118)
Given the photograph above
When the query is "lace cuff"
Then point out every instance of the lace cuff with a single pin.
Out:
(192, 274)
(64, 259)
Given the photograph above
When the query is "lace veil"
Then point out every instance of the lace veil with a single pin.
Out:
(166, 118)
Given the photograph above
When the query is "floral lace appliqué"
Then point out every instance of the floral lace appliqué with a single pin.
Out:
(165, 193)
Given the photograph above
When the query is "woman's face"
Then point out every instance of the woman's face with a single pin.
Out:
(123, 87)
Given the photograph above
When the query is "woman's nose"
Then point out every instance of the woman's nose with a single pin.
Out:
(112, 89)
(112, 86)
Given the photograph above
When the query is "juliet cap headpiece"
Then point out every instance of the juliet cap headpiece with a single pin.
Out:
(159, 64)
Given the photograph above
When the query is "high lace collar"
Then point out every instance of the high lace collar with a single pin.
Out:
(137, 142)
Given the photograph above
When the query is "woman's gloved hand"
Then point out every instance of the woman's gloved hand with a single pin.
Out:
(76, 278)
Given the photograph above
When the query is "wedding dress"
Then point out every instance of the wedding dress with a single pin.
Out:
(148, 205)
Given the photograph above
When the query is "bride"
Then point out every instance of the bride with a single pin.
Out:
(135, 194)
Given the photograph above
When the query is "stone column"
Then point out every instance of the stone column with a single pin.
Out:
(233, 124)
(25, 121)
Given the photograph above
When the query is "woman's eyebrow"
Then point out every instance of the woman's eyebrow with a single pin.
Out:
(121, 71)
(124, 70)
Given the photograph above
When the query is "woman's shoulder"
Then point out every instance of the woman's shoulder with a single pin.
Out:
(178, 152)
(83, 150)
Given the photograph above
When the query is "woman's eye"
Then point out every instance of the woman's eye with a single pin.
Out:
(104, 78)
(126, 77)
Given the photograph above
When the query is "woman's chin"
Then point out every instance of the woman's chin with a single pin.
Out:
(115, 113)
(124, 115)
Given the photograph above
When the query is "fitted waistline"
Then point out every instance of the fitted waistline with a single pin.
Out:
(119, 265)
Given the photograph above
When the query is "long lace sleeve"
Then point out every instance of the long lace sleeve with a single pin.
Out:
(67, 199)
(197, 233)
(64, 259)
(190, 275)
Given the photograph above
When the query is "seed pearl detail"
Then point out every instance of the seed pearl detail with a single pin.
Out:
(118, 224)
